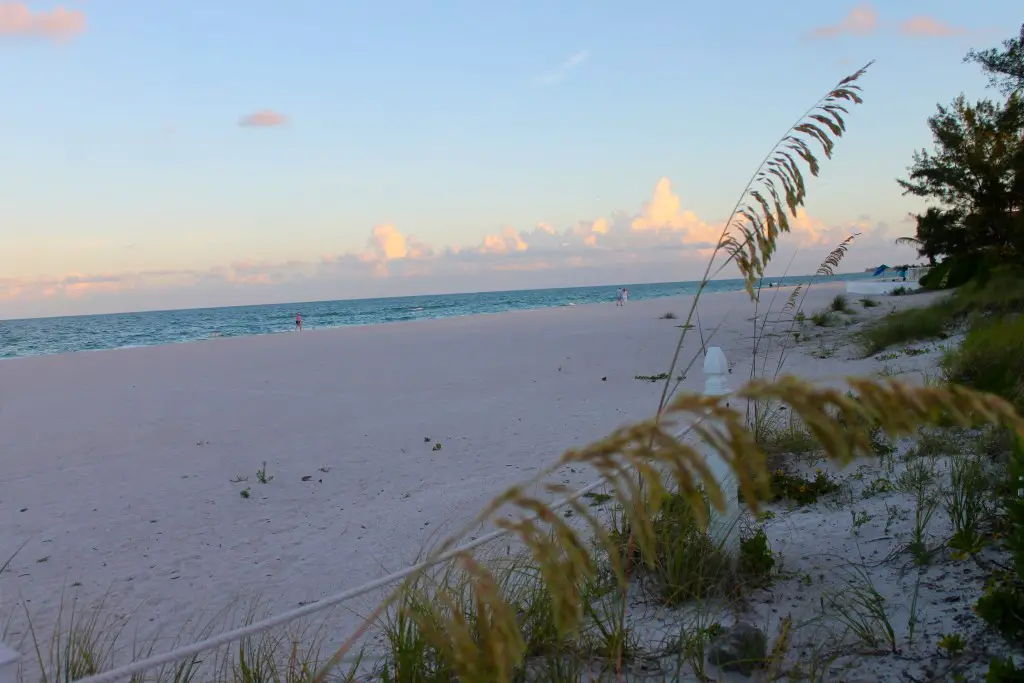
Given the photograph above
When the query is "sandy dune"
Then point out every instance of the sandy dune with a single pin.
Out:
(118, 465)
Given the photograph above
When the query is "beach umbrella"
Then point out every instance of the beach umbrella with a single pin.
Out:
(880, 269)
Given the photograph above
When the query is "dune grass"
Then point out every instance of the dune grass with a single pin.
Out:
(1001, 294)
(555, 611)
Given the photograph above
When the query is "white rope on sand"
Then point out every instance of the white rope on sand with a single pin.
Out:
(228, 637)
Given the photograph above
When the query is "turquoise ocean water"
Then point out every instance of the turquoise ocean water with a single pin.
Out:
(42, 336)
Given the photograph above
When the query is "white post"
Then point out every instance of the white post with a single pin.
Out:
(723, 525)
(8, 664)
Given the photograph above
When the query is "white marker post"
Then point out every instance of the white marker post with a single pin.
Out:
(723, 525)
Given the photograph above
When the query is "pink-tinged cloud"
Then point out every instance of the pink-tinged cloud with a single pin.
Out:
(508, 240)
(265, 118)
(862, 20)
(927, 27)
(18, 20)
(387, 244)
(664, 212)
(660, 240)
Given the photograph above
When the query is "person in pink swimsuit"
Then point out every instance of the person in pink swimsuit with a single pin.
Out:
(298, 322)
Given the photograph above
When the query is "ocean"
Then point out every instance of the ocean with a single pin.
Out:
(44, 336)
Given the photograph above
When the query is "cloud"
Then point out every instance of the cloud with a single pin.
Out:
(927, 27)
(508, 240)
(564, 68)
(664, 213)
(59, 24)
(862, 20)
(660, 240)
(387, 244)
(265, 118)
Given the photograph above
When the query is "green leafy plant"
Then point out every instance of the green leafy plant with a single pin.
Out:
(952, 644)
(966, 503)
(261, 474)
(1004, 671)
(799, 489)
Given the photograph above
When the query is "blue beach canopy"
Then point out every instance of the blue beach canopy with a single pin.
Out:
(880, 269)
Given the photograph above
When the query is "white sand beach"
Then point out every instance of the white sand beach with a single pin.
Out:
(118, 465)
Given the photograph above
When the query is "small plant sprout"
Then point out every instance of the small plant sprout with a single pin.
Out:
(952, 644)
(261, 474)
(859, 518)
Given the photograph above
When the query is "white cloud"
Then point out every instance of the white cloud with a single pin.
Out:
(662, 240)
(563, 69)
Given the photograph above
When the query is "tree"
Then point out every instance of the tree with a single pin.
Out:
(976, 176)
(1005, 68)
(908, 241)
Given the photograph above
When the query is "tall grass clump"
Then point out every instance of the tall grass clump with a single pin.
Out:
(657, 469)
(991, 359)
(996, 294)
(478, 621)
(840, 304)
(912, 324)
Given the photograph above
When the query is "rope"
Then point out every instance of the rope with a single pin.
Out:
(228, 637)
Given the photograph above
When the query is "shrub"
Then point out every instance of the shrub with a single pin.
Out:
(991, 359)
(913, 324)
(1003, 671)
(823, 318)
(840, 304)
(799, 489)
(1002, 606)
(1000, 291)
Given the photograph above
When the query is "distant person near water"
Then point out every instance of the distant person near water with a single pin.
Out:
(625, 296)
(298, 322)
(618, 296)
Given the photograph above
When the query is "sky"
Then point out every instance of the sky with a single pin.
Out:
(165, 154)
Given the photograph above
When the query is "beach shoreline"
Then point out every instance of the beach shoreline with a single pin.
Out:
(74, 334)
(374, 439)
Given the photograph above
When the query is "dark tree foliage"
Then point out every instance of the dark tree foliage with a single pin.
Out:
(976, 176)
(1005, 68)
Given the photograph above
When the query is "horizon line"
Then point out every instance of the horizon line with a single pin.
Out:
(403, 296)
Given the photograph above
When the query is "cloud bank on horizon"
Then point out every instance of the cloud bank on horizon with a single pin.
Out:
(661, 239)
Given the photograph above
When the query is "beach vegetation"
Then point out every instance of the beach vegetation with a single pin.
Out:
(823, 318)
(991, 359)
(840, 304)
(557, 606)
(262, 476)
(797, 488)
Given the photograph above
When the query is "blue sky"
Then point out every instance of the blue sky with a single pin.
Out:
(421, 144)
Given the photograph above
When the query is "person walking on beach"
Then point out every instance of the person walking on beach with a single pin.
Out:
(618, 296)
(298, 322)
(625, 296)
